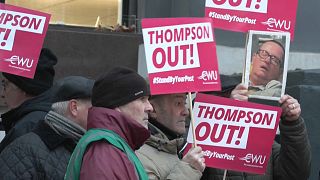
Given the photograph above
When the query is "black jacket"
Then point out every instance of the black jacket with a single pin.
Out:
(40, 154)
(21, 120)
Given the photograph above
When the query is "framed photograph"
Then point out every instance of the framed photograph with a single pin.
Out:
(266, 65)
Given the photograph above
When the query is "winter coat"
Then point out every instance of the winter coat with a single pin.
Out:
(290, 161)
(103, 160)
(23, 119)
(40, 154)
(159, 156)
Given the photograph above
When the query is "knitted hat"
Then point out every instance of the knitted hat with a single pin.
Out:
(118, 87)
(43, 77)
(72, 87)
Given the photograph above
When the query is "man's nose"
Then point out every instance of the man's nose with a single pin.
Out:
(267, 60)
(149, 107)
(186, 112)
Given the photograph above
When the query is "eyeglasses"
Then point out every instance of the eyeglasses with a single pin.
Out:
(263, 54)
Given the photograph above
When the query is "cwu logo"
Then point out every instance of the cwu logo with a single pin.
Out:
(209, 75)
(254, 159)
(277, 24)
(20, 61)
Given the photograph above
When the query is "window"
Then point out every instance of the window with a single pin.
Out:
(76, 12)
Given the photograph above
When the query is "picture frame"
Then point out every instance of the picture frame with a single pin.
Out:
(266, 64)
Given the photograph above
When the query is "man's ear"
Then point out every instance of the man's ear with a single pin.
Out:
(73, 107)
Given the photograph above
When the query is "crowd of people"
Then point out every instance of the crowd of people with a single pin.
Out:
(112, 128)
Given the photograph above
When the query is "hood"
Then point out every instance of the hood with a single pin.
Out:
(130, 130)
(39, 103)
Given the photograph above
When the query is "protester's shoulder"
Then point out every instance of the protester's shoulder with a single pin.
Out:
(101, 153)
(25, 142)
(23, 148)
(104, 149)
(27, 123)
(146, 150)
(274, 84)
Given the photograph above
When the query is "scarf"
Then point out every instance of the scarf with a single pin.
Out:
(63, 126)
(74, 166)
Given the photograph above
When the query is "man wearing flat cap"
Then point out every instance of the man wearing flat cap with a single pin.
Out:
(28, 100)
(117, 126)
(44, 153)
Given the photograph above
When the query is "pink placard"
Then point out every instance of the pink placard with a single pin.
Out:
(22, 32)
(244, 15)
(234, 135)
(181, 55)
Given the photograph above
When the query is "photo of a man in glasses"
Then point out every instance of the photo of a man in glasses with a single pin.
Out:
(266, 68)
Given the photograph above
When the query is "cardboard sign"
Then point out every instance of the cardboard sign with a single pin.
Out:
(244, 15)
(22, 32)
(181, 55)
(233, 134)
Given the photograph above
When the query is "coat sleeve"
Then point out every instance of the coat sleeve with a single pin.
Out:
(292, 160)
(104, 161)
(181, 171)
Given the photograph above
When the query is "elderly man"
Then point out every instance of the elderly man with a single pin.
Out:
(117, 126)
(44, 153)
(28, 100)
(159, 155)
(266, 69)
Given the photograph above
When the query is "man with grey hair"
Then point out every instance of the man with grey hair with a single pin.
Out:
(44, 153)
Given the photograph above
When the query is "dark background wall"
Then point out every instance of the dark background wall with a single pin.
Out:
(304, 85)
(87, 52)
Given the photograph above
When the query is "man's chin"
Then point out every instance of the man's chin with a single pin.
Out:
(145, 123)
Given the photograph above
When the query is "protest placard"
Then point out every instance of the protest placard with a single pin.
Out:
(22, 32)
(181, 55)
(244, 15)
(233, 134)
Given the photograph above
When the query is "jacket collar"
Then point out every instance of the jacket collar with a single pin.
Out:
(51, 138)
(127, 128)
(160, 141)
(169, 133)
(38, 103)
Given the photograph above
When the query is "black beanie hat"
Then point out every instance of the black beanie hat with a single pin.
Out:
(118, 87)
(43, 77)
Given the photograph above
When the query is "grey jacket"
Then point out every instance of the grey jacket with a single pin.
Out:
(159, 156)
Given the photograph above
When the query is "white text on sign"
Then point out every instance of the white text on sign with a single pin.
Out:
(11, 21)
(259, 6)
